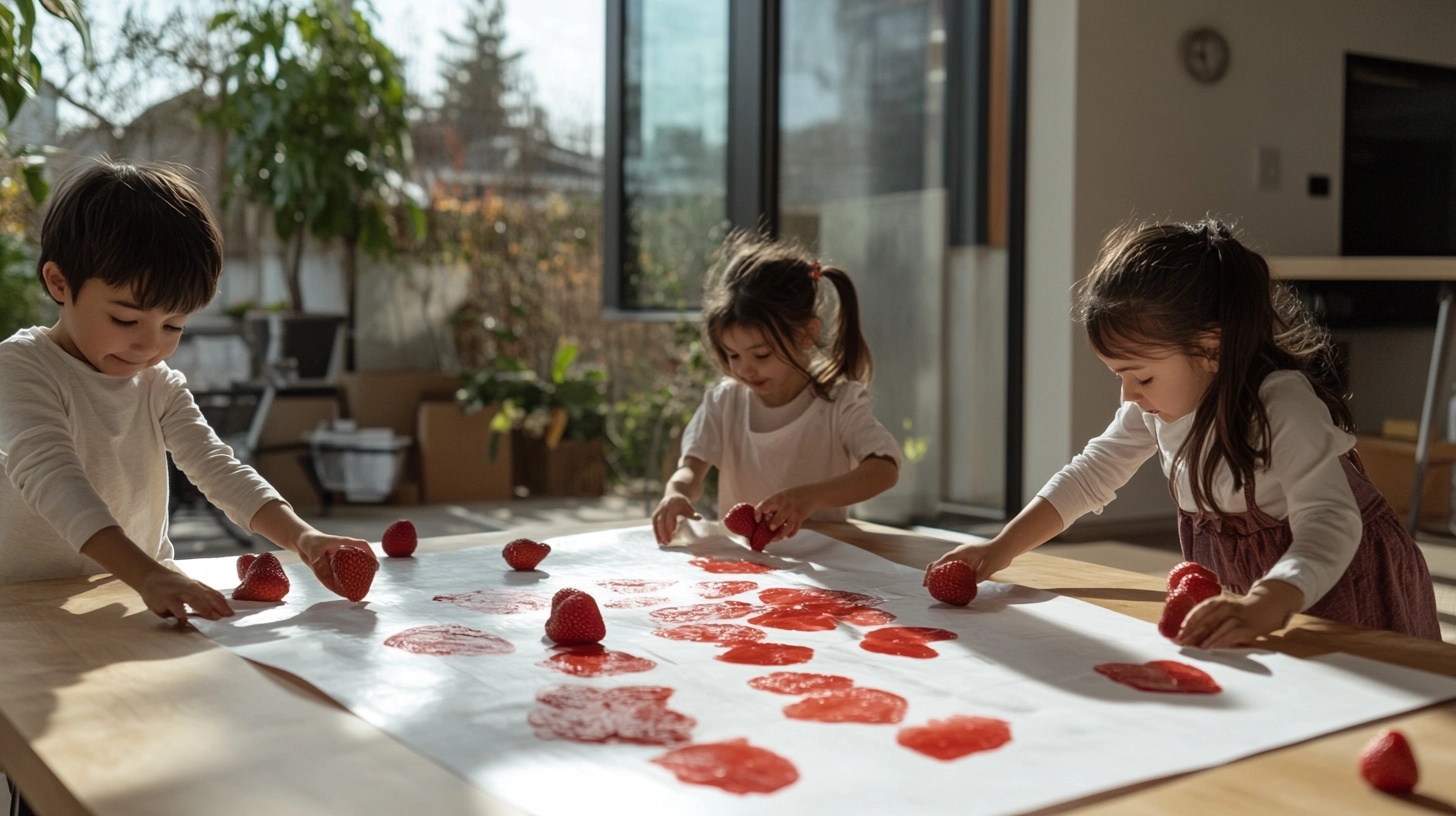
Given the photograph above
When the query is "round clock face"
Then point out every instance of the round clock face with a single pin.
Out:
(1205, 54)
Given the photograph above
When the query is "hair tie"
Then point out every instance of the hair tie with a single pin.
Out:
(815, 272)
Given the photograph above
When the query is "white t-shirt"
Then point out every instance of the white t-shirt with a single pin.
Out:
(82, 451)
(1304, 482)
(760, 450)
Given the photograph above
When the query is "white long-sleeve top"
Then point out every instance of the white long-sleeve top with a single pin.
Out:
(1304, 482)
(760, 450)
(82, 451)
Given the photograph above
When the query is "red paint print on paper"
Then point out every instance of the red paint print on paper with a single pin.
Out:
(595, 660)
(726, 610)
(635, 602)
(730, 565)
(449, 639)
(799, 682)
(955, 736)
(637, 714)
(905, 641)
(719, 633)
(497, 601)
(713, 590)
(813, 609)
(1161, 675)
(852, 705)
(767, 654)
(635, 586)
(791, 596)
(733, 765)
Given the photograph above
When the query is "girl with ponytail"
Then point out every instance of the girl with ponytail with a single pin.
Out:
(1225, 376)
(790, 427)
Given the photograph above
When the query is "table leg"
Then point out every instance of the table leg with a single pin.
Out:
(1435, 378)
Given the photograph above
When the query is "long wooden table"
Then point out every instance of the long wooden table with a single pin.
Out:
(107, 709)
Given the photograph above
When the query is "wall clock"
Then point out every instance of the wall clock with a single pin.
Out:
(1205, 54)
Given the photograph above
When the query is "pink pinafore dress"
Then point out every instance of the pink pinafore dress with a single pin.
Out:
(1386, 586)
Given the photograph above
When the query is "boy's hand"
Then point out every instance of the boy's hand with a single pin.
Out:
(665, 517)
(315, 548)
(985, 557)
(787, 510)
(1225, 621)
(169, 594)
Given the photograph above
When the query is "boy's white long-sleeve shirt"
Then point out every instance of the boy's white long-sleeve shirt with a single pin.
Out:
(1304, 482)
(82, 451)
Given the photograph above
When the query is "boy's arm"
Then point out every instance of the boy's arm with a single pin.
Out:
(788, 509)
(277, 522)
(165, 592)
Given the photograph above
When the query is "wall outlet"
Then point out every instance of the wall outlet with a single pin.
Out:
(1267, 168)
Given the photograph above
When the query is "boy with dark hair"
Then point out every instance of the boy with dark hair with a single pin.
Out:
(89, 409)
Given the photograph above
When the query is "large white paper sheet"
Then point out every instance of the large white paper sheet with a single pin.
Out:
(1023, 656)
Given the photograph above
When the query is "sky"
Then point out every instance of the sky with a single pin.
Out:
(562, 43)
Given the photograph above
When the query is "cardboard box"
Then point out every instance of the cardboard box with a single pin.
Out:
(391, 399)
(281, 445)
(458, 461)
(1391, 464)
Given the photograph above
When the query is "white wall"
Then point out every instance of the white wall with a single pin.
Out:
(1117, 131)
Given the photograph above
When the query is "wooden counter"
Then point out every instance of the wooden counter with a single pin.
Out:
(107, 709)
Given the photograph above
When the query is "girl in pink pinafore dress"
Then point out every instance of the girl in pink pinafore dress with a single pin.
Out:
(1224, 376)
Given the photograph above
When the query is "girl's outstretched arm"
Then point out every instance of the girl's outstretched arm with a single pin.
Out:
(1034, 526)
(277, 522)
(684, 487)
(786, 510)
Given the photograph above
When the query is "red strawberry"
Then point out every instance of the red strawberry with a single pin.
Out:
(264, 579)
(353, 570)
(1388, 764)
(1188, 568)
(739, 519)
(953, 582)
(575, 618)
(524, 554)
(400, 539)
(1192, 590)
(244, 561)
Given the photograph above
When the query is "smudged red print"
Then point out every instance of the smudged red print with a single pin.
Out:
(905, 641)
(449, 639)
(727, 610)
(818, 610)
(766, 654)
(852, 705)
(497, 601)
(719, 633)
(1161, 675)
(730, 565)
(792, 596)
(634, 586)
(637, 714)
(635, 602)
(955, 736)
(595, 660)
(733, 765)
(713, 590)
(799, 682)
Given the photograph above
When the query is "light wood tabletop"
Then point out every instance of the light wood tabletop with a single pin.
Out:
(106, 709)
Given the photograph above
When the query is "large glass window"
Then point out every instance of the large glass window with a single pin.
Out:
(860, 143)
(674, 141)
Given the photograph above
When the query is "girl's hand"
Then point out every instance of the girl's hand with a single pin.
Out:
(985, 557)
(168, 594)
(315, 548)
(1226, 621)
(786, 511)
(665, 517)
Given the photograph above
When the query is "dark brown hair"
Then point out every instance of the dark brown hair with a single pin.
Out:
(1166, 286)
(774, 286)
(140, 226)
